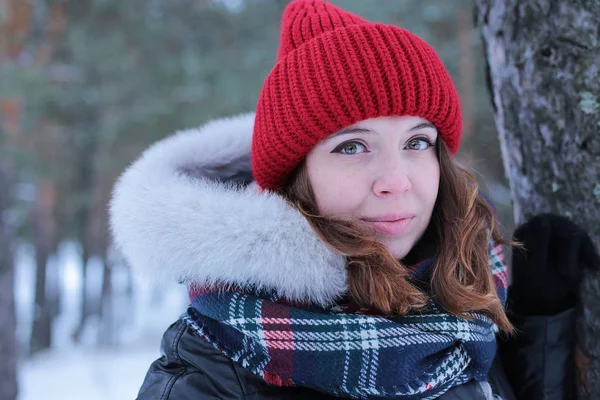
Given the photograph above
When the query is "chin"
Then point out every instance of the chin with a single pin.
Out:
(399, 255)
(400, 247)
(397, 250)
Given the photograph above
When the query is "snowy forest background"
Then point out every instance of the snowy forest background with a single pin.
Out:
(85, 87)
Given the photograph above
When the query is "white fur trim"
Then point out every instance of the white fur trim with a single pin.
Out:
(173, 219)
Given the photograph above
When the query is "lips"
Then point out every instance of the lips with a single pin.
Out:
(391, 224)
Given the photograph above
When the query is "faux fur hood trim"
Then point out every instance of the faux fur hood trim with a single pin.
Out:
(178, 213)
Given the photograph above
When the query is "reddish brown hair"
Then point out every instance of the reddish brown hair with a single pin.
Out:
(461, 281)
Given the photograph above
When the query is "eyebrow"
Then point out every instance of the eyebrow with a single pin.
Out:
(350, 130)
(422, 125)
(347, 131)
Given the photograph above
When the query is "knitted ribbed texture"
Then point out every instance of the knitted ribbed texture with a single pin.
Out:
(335, 69)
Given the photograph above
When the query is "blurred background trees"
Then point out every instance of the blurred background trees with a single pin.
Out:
(86, 85)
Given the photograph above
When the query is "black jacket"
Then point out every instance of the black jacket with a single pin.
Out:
(538, 363)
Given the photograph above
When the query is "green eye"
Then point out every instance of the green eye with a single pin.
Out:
(419, 144)
(350, 148)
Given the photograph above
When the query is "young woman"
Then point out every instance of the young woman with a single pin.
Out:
(331, 245)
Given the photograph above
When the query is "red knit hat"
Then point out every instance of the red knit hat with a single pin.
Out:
(335, 69)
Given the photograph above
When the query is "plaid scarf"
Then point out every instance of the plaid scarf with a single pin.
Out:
(349, 354)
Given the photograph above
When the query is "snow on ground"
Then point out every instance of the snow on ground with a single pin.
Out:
(90, 370)
(90, 374)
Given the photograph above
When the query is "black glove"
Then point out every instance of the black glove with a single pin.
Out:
(546, 274)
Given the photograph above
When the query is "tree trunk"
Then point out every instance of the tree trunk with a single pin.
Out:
(41, 333)
(8, 321)
(543, 61)
(85, 304)
(87, 146)
(106, 332)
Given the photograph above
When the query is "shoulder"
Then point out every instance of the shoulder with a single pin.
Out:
(189, 367)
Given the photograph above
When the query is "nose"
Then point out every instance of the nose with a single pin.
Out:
(393, 179)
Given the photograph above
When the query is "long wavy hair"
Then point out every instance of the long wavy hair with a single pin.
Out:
(460, 227)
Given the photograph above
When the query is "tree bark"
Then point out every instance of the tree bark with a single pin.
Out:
(543, 64)
(8, 321)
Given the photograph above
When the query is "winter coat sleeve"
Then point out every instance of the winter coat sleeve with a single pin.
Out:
(186, 371)
(539, 359)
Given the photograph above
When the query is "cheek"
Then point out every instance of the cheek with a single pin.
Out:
(428, 182)
(337, 192)
(434, 182)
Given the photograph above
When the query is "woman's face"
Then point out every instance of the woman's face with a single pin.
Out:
(382, 171)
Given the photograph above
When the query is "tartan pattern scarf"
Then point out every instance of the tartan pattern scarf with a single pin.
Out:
(349, 354)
